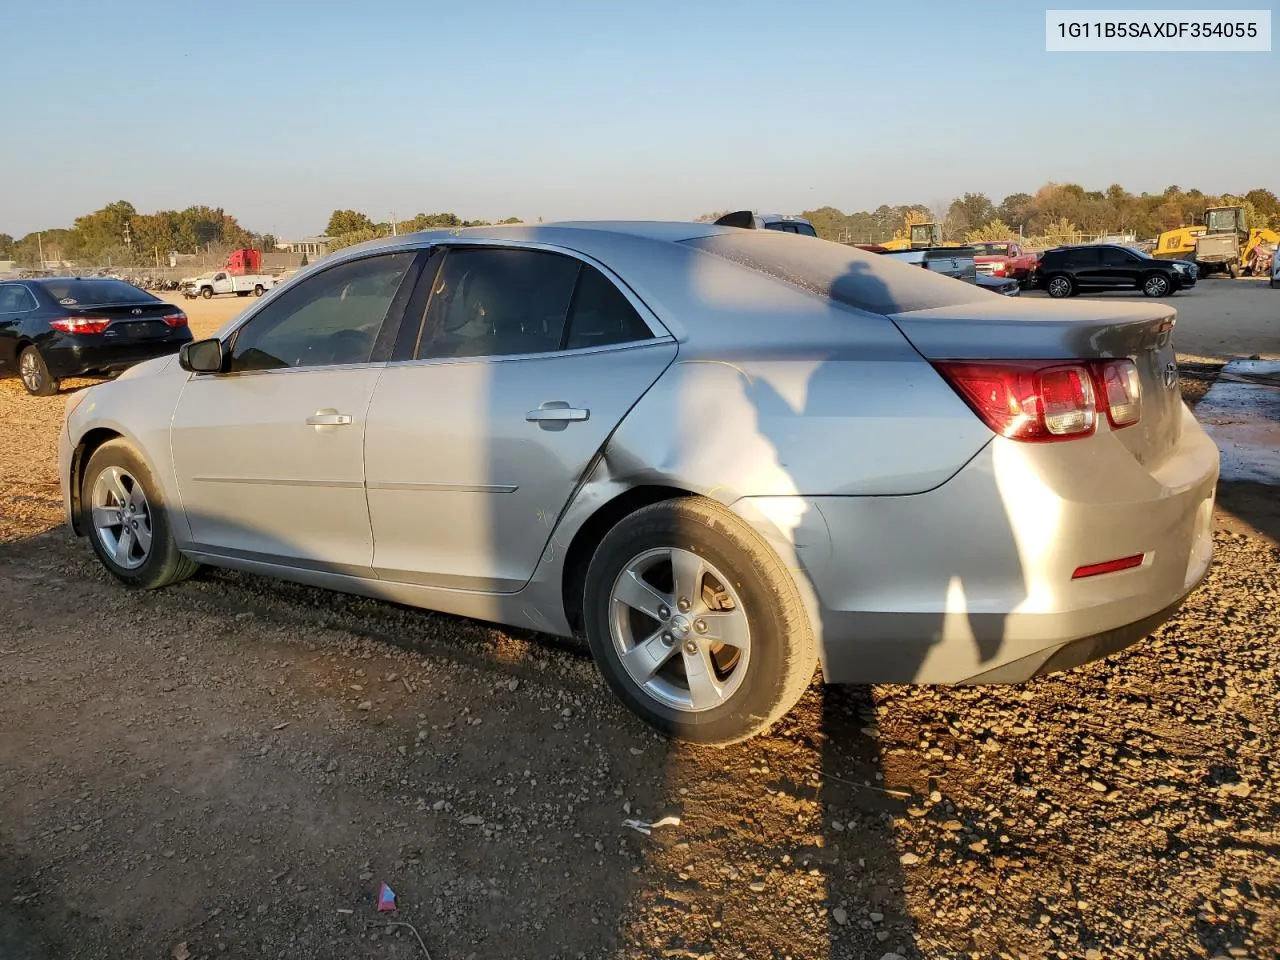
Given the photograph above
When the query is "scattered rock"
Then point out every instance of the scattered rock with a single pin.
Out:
(365, 705)
(840, 916)
(909, 859)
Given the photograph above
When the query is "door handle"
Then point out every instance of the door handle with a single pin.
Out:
(319, 419)
(557, 414)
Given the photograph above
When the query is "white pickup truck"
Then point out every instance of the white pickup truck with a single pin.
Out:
(223, 282)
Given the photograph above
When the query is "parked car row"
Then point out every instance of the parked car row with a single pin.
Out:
(726, 455)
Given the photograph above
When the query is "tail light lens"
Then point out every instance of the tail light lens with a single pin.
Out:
(80, 324)
(1120, 386)
(178, 319)
(1047, 400)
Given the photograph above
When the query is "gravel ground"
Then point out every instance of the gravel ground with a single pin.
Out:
(230, 768)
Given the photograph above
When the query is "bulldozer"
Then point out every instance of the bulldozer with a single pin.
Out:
(1222, 244)
(920, 236)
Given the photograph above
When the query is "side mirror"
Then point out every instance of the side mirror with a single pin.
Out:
(201, 356)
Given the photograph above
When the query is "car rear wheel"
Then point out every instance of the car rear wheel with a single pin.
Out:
(1156, 285)
(1060, 286)
(35, 374)
(127, 522)
(696, 624)
(258, 290)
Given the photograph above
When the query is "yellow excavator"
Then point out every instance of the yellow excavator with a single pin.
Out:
(1223, 243)
(920, 235)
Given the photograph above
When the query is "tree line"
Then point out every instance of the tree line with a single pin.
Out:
(1061, 211)
(350, 226)
(118, 235)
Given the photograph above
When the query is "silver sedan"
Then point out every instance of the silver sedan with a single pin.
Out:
(727, 456)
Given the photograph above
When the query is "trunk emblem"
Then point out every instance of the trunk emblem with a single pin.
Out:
(1170, 374)
(137, 311)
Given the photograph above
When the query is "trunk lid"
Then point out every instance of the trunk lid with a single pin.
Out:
(143, 320)
(1009, 329)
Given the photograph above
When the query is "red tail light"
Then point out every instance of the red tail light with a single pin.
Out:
(178, 319)
(1047, 400)
(1119, 384)
(80, 324)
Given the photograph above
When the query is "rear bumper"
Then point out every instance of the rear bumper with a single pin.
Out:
(68, 358)
(972, 581)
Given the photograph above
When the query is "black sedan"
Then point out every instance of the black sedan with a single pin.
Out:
(58, 327)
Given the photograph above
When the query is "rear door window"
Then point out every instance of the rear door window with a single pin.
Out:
(497, 301)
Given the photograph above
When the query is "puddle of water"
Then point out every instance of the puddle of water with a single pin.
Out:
(1244, 421)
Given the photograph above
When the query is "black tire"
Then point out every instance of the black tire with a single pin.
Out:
(1272, 283)
(783, 651)
(1156, 285)
(1060, 286)
(206, 292)
(35, 375)
(1233, 270)
(164, 564)
(258, 290)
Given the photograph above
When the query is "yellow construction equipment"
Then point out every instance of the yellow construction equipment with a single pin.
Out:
(1224, 243)
(920, 235)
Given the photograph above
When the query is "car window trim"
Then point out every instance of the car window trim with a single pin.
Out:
(543, 355)
(394, 317)
(657, 332)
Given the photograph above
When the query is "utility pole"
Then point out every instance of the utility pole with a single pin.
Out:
(393, 224)
(40, 244)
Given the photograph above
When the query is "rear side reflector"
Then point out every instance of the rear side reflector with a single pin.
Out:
(1041, 401)
(80, 324)
(1109, 566)
(175, 319)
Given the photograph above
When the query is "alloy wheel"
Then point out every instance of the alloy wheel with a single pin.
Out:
(121, 517)
(680, 630)
(30, 370)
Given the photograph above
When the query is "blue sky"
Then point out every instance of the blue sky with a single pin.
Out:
(569, 108)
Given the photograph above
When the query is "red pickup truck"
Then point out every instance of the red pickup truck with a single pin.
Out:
(1004, 258)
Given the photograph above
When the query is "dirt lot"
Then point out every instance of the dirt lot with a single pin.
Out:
(230, 767)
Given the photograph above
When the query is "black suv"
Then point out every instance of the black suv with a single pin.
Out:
(1066, 271)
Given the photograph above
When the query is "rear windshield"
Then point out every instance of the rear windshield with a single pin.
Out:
(95, 293)
(992, 249)
(841, 273)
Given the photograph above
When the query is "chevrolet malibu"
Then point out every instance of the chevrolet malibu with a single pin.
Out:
(727, 456)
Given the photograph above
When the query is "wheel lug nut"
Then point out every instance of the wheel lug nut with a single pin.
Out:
(683, 605)
(700, 626)
(690, 647)
(667, 637)
(663, 613)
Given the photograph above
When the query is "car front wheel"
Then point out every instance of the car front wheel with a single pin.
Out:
(1156, 285)
(696, 624)
(124, 514)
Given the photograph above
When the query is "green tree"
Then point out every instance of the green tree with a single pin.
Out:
(992, 230)
(967, 213)
(7, 246)
(342, 222)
